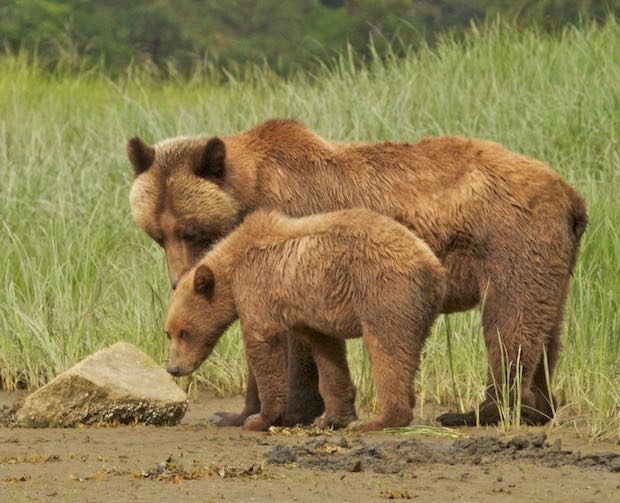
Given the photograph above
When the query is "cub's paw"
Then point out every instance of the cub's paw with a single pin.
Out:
(256, 422)
(227, 419)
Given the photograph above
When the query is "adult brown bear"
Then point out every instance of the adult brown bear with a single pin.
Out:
(505, 227)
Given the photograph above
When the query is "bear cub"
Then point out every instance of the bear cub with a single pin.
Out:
(325, 277)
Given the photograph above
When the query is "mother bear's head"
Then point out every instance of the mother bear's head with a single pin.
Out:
(181, 197)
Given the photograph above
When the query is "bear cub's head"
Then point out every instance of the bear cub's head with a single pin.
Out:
(199, 312)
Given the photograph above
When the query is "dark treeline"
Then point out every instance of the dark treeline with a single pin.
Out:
(285, 34)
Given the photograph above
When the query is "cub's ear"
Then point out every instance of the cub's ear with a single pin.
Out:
(140, 154)
(204, 281)
(212, 160)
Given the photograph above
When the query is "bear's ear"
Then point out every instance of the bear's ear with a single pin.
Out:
(204, 281)
(212, 160)
(140, 154)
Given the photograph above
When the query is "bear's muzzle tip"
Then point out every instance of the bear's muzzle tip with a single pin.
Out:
(175, 371)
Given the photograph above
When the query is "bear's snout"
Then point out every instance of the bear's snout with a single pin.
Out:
(174, 370)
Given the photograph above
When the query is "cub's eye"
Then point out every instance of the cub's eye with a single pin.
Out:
(168, 334)
(184, 335)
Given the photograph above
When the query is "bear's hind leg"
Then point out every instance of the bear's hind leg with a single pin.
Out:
(522, 314)
(394, 363)
(517, 325)
(545, 402)
(522, 320)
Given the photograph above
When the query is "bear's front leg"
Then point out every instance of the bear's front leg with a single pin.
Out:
(266, 353)
(304, 402)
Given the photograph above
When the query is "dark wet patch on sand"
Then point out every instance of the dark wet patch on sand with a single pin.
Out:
(402, 456)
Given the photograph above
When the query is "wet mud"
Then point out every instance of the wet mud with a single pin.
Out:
(404, 456)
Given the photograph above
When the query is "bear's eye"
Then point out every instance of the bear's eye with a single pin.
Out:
(168, 334)
(184, 335)
(189, 234)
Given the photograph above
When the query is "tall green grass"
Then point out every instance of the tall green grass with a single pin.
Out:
(77, 274)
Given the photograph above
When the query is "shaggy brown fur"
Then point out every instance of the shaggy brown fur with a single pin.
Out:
(352, 273)
(505, 227)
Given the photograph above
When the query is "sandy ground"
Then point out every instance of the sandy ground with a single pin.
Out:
(197, 461)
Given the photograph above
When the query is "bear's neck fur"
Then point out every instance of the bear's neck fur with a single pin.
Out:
(263, 159)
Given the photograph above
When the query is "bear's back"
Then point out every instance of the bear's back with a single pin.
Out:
(333, 266)
(356, 237)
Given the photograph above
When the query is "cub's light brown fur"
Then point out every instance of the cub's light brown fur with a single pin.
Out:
(352, 273)
(506, 227)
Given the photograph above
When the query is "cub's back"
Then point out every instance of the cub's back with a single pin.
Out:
(334, 269)
(359, 237)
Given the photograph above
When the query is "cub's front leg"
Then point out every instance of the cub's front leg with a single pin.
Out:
(265, 348)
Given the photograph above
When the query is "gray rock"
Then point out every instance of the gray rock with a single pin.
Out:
(117, 384)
